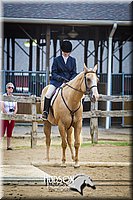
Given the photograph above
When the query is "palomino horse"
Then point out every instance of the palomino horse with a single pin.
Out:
(67, 110)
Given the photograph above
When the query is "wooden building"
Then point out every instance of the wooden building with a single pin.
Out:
(46, 23)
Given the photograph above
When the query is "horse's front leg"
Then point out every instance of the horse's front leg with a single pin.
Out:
(47, 131)
(64, 143)
(77, 131)
(69, 141)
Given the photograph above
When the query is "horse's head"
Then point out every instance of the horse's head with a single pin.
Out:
(91, 80)
(89, 183)
(80, 181)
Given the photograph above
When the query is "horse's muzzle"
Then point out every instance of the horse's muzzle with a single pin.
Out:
(94, 98)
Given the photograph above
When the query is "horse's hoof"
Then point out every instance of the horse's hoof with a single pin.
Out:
(73, 158)
(47, 159)
(63, 164)
(76, 165)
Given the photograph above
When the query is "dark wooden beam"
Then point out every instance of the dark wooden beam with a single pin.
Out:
(86, 51)
(38, 56)
(101, 56)
(3, 47)
(120, 55)
(8, 53)
(96, 42)
(30, 56)
(13, 53)
(54, 46)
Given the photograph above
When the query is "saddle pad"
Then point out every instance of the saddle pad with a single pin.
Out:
(54, 96)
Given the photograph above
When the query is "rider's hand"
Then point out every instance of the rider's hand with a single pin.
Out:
(65, 80)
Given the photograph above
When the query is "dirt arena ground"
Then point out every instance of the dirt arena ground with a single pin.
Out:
(111, 182)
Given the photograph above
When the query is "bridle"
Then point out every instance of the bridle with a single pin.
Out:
(87, 91)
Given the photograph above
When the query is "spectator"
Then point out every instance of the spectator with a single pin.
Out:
(8, 108)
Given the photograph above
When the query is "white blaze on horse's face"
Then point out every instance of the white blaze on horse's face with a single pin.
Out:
(91, 82)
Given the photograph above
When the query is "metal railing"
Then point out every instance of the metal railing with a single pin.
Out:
(121, 83)
(33, 82)
(25, 81)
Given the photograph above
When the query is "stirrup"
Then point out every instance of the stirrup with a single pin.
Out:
(44, 115)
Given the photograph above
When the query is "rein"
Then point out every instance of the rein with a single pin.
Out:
(88, 89)
(74, 88)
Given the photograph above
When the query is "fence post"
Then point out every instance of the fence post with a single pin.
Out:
(34, 127)
(94, 124)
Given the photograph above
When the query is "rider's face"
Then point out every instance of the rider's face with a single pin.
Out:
(65, 54)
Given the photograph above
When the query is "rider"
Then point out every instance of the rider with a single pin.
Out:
(63, 70)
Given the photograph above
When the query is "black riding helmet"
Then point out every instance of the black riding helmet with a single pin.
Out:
(66, 46)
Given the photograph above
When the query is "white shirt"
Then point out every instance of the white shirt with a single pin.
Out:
(65, 59)
(9, 105)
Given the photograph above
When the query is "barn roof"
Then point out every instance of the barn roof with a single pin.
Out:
(89, 18)
(70, 11)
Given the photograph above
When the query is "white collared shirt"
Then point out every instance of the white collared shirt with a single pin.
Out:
(65, 59)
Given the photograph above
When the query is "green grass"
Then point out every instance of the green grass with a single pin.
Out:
(86, 144)
(112, 143)
(102, 142)
(22, 147)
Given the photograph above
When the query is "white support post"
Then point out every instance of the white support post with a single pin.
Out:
(109, 82)
(47, 53)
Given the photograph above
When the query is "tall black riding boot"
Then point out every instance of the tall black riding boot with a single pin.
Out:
(46, 108)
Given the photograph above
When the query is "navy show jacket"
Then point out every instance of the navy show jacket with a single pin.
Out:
(61, 70)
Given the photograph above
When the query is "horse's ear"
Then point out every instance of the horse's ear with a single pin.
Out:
(85, 68)
(95, 68)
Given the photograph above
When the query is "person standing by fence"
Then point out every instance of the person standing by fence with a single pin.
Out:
(8, 108)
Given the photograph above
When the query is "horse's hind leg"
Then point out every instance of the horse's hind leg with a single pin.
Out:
(47, 131)
(69, 141)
